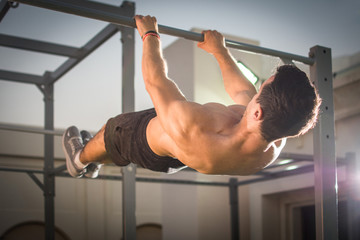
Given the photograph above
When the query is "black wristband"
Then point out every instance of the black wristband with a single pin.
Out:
(154, 32)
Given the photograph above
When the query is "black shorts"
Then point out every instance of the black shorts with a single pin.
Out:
(125, 142)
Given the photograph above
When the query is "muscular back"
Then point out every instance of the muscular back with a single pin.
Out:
(210, 139)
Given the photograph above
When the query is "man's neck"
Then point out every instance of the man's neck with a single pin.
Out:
(250, 132)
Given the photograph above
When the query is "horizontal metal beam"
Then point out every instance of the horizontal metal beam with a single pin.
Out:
(277, 175)
(185, 182)
(39, 46)
(101, 12)
(150, 180)
(296, 171)
(112, 177)
(21, 77)
(270, 176)
(38, 130)
(18, 170)
(176, 181)
(296, 156)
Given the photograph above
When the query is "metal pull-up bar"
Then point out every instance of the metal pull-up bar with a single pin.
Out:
(105, 13)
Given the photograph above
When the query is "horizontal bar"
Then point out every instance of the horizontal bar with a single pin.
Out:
(30, 129)
(39, 46)
(293, 157)
(296, 156)
(82, 8)
(347, 69)
(275, 165)
(21, 77)
(276, 175)
(270, 52)
(173, 181)
(267, 177)
(186, 182)
(110, 177)
(153, 180)
(32, 157)
(4, 169)
(296, 171)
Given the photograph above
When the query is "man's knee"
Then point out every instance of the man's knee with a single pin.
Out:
(99, 137)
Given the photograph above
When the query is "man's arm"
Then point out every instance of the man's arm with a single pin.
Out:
(174, 112)
(236, 84)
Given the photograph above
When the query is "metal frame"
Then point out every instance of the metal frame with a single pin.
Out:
(349, 161)
(320, 68)
(324, 148)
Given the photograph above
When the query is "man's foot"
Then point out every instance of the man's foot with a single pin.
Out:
(92, 170)
(72, 145)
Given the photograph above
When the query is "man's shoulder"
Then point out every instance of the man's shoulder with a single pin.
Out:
(237, 108)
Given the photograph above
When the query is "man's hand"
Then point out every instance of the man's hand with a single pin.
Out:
(214, 42)
(145, 24)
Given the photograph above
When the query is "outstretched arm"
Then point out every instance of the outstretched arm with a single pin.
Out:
(172, 109)
(236, 84)
(162, 90)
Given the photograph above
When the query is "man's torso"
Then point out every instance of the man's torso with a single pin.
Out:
(217, 136)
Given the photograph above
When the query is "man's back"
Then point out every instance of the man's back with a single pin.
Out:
(214, 139)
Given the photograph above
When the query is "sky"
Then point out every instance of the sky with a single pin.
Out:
(91, 93)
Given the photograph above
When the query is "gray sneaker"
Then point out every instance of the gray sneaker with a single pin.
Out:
(92, 170)
(72, 144)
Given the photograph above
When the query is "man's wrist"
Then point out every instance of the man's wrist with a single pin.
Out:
(150, 33)
(222, 51)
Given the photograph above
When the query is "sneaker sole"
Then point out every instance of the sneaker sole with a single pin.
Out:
(69, 165)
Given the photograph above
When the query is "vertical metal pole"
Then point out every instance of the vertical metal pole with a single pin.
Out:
(353, 197)
(128, 62)
(4, 8)
(234, 208)
(49, 177)
(128, 105)
(324, 148)
(129, 203)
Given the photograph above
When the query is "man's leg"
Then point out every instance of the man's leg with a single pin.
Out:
(79, 157)
(94, 151)
(92, 169)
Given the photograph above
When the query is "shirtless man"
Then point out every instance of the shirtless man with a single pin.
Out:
(212, 138)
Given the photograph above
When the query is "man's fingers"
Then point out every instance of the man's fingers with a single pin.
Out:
(145, 24)
(137, 17)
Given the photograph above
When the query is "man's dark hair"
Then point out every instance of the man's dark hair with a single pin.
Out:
(290, 104)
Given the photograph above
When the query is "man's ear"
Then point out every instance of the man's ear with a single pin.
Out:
(258, 112)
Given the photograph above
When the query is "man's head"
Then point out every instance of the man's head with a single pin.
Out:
(289, 103)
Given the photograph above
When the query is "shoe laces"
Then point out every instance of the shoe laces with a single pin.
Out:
(75, 144)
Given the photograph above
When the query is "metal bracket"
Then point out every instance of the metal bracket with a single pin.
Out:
(36, 180)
